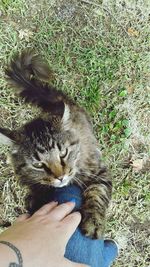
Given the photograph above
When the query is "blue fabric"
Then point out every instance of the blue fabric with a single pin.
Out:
(81, 249)
(110, 252)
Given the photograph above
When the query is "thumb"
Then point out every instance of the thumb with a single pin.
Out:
(68, 263)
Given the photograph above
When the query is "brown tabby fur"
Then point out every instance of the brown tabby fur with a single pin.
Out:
(58, 147)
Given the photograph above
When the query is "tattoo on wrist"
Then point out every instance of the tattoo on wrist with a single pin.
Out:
(18, 254)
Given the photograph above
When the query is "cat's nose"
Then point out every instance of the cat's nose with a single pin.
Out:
(60, 178)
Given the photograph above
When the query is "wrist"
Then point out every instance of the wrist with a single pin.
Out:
(7, 255)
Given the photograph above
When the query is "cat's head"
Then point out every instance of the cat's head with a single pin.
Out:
(43, 154)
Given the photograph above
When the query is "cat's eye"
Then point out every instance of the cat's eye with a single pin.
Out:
(38, 165)
(64, 153)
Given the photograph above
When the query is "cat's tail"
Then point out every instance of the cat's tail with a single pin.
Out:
(25, 72)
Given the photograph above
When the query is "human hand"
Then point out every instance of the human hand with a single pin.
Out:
(42, 238)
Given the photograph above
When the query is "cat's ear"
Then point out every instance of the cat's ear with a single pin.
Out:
(9, 137)
(66, 117)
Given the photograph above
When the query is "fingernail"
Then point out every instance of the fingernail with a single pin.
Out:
(72, 200)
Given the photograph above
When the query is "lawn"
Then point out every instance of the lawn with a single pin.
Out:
(99, 52)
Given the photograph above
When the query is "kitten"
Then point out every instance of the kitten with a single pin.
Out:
(58, 147)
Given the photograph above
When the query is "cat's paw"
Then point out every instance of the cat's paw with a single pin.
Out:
(30, 204)
(93, 227)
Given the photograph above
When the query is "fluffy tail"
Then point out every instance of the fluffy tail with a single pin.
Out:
(24, 73)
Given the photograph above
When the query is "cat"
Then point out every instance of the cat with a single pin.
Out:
(56, 148)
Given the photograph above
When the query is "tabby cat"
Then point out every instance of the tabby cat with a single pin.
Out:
(56, 148)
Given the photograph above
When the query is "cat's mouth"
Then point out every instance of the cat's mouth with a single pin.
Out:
(60, 182)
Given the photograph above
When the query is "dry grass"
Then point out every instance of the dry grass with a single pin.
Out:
(99, 51)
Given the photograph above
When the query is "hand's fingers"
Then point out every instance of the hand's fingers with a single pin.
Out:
(46, 208)
(22, 217)
(61, 211)
(68, 263)
(70, 224)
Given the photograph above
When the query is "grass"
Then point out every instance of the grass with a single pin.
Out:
(99, 53)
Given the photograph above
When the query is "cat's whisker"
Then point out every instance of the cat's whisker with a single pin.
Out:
(80, 182)
(87, 174)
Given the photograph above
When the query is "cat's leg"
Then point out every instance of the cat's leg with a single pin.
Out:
(95, 204)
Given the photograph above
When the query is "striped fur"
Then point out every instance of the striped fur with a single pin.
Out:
(58, 147)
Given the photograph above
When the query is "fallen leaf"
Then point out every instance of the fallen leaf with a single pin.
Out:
(137, 164)
(25, 34)
(133, 32)
(130, 89)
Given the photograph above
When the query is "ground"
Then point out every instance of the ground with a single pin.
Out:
(99, 53)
